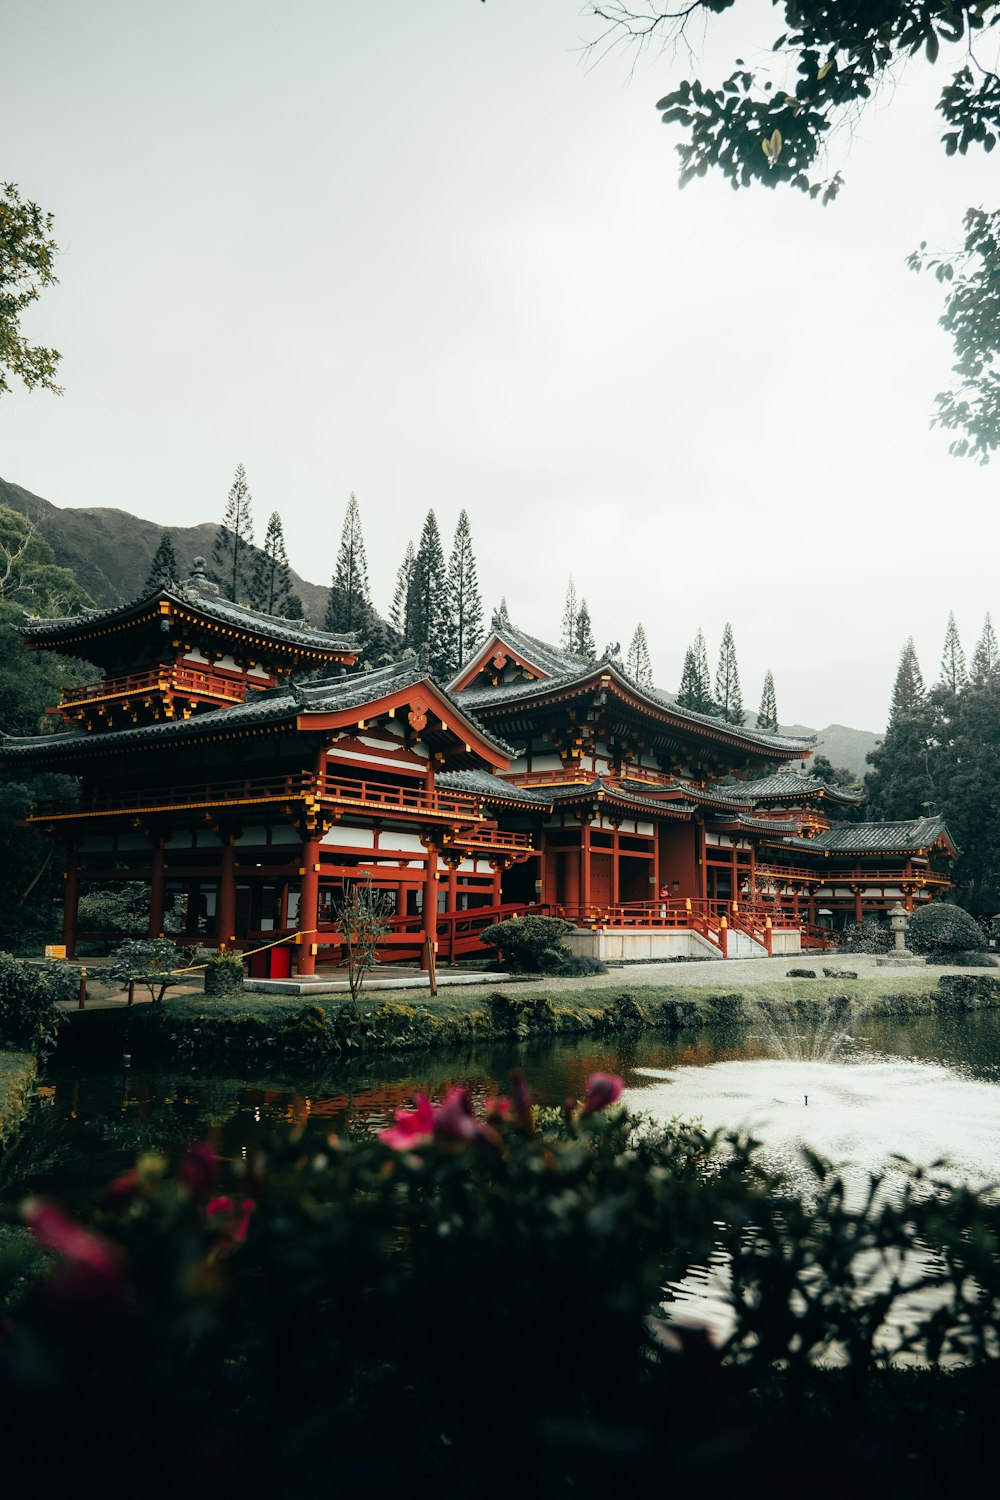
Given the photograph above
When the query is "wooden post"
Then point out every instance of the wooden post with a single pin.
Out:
(585, 864)
(724, 936)
(430, 904)
(431, 964)
(616, 884)
(225, 911)
(131, 992)
(857, 907)
(70, 899)
(155, 928)
(81, 999)
(305, 952)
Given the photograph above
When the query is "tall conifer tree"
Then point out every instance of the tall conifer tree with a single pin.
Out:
(583, 642)
(349, 605)
(399, 609)
(954, 675)
(904, 780)
(727, 680)
(272, 576)
(638, 665)
(465, 610)
(908, 696)
(427, 601)
(700, 650)
(570, 611)
(233, 556)
(767, 714)
(986, 657)
(163, 567)
(689, 692)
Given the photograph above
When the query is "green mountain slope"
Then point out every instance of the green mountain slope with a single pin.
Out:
(110, 550)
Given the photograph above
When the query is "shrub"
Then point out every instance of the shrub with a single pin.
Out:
(942, 928)
(530, 945)
(28, 996)
(224, 974)
(962, 960)
(871, 935)
(578, 965)
(147, 961)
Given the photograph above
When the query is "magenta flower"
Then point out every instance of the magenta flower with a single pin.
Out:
(198, 1170)
(78, 1246)
(521, 1095)
(413, 1127)
(602, 1089)
(454, 1120)
(220, 1205)
(498, 1109)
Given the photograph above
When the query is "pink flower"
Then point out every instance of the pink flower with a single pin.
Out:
(80, 1247)
(220, 1205)
(499, 1109)
(242, 1224)
(521, 1096)
(454, 1120)
(198, 1169)
(602, 1089)
(413, 1127)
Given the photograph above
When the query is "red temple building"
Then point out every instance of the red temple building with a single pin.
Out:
(244, 768)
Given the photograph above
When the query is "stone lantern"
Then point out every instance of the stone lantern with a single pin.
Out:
(899, 919)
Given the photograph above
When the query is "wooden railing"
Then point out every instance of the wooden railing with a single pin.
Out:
(166, 679)
(491, 839)
(788, 874)
(302, 787)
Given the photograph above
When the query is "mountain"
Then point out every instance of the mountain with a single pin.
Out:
(841, 746)
(110, 550)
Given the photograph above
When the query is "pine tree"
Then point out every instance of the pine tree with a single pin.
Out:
(767, 714)
(427, 600)
(727, 680)
(233, 556)
(348, 607)
(689, 692)
(163, 568)
(986, 657)
(501, 616)
(638, 665)
(272, 586)
(399, 617)
(707, 703)
(954, 675)
(908, 696)
(465, 610)
(583, 642)
(570, 611)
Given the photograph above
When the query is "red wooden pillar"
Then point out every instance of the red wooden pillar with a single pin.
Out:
(734, 878)
(496, 891)
(857, 907)
(430, 902)
(71, 896)
(451, 900)
(812, 906)
(305, 955)
(699, 844)
(616, 883)
(155, 929)
(908, 898)
(545, 893)
(585, 864)
(654, 884)
(225, 911)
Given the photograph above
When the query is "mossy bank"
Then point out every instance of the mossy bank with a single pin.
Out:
(17, 1077)
(268, 1028)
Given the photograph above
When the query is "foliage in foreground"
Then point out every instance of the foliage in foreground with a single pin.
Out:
(28, 996)
(475, 1300)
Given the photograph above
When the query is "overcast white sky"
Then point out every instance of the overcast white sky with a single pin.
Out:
(427, 253)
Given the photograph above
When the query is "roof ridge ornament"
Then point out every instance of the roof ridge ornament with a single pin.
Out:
(199, 580)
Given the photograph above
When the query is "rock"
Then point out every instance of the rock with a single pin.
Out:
(839, 974)
(801, 974)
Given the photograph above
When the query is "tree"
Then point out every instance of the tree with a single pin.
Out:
(727, 680)
(570, 611)
(427, 614)
(399, 611)
(954, 675)
(29, 575)
(465, 610)
(151, 962)
(767, 714)
(364, 917)
(838, 58)
(908, 696)
(638, 665)
(163, 568)
(986, 657)
(695, 691)
(27, 255)
(903, 783)
(349, 604)
(583, 641)
(233, 556)
(272, 583)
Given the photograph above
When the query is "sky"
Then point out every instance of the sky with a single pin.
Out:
(436, 254)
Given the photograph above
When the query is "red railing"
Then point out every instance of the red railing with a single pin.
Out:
(789, 874)
(163, 680)
(301, 787)
(492, 838)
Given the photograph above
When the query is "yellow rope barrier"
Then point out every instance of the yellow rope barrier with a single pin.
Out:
(292, 937)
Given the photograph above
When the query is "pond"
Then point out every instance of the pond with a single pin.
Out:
(858, 1090)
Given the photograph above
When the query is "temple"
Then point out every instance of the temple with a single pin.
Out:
(246, 769)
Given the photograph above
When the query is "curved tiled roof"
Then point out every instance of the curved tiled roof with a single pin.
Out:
(316, 694)
(786, 786)
(600, 790)
(905, 837)
(213, 606)
(492, 788)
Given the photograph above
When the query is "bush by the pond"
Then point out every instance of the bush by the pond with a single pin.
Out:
(224, 974)
(28, 996)
(152, 963)
(973, 960)
(942, 928)
(473, 1306)
(530, 945)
